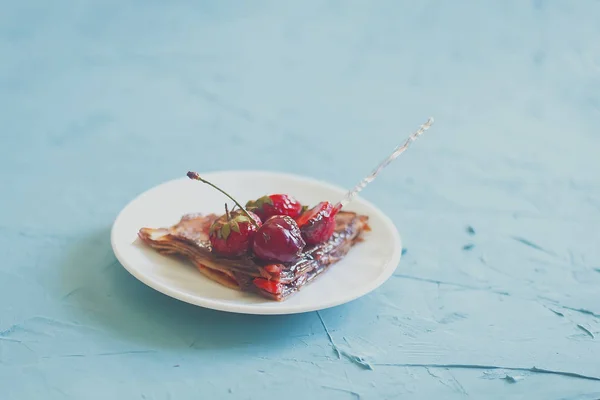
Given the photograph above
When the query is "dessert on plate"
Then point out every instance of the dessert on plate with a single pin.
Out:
(273, 246)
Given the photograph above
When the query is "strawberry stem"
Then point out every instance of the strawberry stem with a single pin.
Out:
(195, 176)
(227, 213)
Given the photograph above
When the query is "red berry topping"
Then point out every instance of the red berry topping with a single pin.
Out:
(273, 269)
(269, 286)
(318, 223)
(278, 240)
(231, 235)
(275, 204)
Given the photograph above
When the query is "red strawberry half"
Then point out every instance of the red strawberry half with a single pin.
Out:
(318, 223)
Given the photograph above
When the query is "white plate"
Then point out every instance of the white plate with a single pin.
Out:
(366, 267)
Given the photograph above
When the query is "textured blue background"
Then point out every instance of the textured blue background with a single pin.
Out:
(100, 100)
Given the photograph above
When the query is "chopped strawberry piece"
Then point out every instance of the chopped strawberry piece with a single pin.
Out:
(269, 286)
(273, 269)
(318, 224)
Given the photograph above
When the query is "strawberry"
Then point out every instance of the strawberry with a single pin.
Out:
(278, 240)
(273, 269)
(269, 286)
(232, 234)
(275, 204)
(318, 223)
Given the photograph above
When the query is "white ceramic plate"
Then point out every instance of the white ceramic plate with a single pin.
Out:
(366, 267)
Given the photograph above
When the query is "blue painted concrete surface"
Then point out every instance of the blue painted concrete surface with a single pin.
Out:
(100, 100)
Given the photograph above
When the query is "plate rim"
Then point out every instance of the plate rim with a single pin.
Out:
(253, 309)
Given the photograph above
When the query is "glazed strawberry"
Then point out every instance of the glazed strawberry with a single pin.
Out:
(232, 234)
(318, 223)
(278, 240)
(275, 204)
(269, 286)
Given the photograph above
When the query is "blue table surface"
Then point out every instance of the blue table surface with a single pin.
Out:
(101, 100)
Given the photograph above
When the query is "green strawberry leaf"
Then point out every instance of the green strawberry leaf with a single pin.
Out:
(234, 225)
(225, 231)
(304, 209)
(265, 200)
(242, 218)
(258, 203)
(251, 205)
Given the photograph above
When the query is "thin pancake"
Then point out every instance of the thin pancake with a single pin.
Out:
(189, 238)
